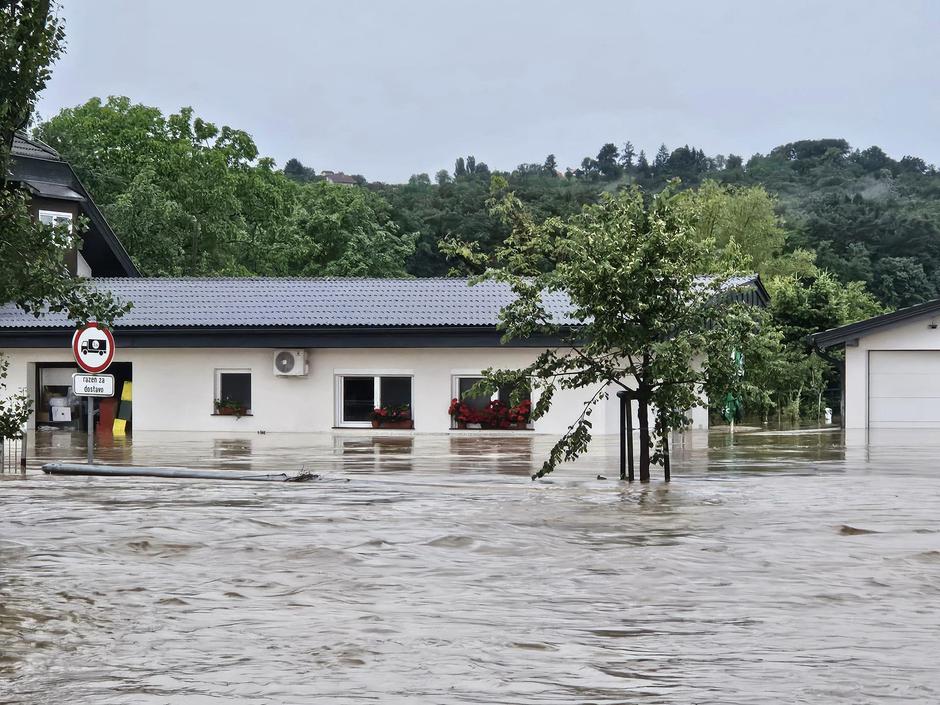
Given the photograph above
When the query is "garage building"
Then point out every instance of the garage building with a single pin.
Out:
(892, 368)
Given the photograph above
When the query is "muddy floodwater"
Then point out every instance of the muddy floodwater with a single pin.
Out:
(799, 567)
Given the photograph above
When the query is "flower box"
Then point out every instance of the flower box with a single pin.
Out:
(497, 416)
(388, 423)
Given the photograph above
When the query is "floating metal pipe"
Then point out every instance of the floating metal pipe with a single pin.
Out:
(127, 471)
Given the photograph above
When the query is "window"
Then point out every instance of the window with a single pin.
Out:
(55, 218)
(358, 394)
(233, 392)
(463, 384)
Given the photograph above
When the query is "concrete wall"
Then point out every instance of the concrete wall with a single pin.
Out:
(174, 389)
(912, 335)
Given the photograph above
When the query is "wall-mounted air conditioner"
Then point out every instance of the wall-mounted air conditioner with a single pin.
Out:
(290, 363)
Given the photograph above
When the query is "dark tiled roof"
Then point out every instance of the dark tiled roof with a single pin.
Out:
(288, 302)
(25, 147)
(218, 302)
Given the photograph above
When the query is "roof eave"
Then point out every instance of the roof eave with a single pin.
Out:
(853, 331)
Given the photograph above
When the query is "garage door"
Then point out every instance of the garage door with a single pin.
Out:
(903, 388)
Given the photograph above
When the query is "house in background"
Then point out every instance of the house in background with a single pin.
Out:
(222, 355)
(58, 196)
(306, 354)
(338, 177)
(892, 368)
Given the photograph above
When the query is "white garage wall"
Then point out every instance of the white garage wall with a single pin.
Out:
(913, 335)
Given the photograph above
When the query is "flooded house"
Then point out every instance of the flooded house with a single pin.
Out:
(892, 368)
(277, 354)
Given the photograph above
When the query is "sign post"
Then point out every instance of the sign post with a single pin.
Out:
(93, 348)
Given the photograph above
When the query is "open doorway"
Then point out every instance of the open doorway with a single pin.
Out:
(58, 409)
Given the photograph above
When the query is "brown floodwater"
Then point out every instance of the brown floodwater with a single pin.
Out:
(799, 567)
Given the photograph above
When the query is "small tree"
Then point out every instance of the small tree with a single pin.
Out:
(649, 311)
(14, 408)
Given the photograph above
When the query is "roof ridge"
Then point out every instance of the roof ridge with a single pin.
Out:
(37, 143)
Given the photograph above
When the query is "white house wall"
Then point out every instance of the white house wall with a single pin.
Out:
(914, 335)
(174, 388)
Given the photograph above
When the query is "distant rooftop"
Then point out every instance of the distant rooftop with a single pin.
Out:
(338, 177)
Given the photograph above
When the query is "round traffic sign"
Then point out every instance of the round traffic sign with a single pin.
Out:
(93, 348)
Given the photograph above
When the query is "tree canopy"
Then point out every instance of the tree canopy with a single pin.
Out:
(189, 197)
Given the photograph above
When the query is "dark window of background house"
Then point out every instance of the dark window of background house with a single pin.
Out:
(395, 391)
(235, 386)
(463, 386)
(358, 398)
(505, 394)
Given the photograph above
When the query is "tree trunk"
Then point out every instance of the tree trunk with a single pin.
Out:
(644, 420)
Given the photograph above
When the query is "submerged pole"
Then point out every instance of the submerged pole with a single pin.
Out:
(623, 438)
(626, 436)
(667, 475)
(630, 475)
(91, 429)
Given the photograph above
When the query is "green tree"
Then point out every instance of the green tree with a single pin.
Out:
(550, 167)
(643, 313)
(154, 228)
(296, 171)
(338, 231)
(607, 161)
(901, 281)
(627, 155)
(744, 216)
(661, 158)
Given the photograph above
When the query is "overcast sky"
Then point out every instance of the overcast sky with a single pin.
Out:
(388, 88)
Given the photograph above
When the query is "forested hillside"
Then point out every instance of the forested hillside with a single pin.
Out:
(867, 216)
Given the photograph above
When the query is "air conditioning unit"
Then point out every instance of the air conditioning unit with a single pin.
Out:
(290, 363)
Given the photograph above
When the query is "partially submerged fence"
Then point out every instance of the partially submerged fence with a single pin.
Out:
(13, 454)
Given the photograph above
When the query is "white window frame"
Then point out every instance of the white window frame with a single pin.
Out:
(455, 389)
(56, 215)
(376, 375)
(219, 371)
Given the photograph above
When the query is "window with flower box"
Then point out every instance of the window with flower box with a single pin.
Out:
(380, 400)
(496, 411)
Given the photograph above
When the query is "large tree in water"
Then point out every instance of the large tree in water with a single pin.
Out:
(649, 311)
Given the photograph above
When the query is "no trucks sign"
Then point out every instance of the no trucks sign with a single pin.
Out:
(93, 348)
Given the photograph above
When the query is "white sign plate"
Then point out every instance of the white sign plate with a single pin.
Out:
(93, 385)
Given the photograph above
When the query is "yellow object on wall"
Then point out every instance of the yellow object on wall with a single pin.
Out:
(119, 428)
(126, 391)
